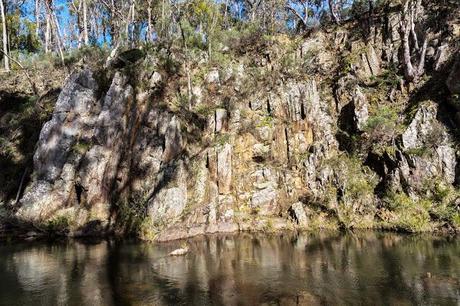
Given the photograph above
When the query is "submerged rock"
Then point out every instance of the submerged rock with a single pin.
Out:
(179, 252)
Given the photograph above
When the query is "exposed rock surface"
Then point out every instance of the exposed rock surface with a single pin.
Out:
(323, 149)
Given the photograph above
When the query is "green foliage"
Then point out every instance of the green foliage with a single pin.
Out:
(353, 189)
(437, 203)
(456, 219)
(168, 64)
(205, 110)
(266, 121)
(193, 38)
(385, 118)
(81, 146)
(407, 214)
(422, 151)
(388, 78)
(22, 33)
(381, 129)
(132, 215)
(222, 139)
(89, 54)
(445, 200)
(202, 24)
(220, 59)
(350, 60)
(21, 118)
(59, 225)
(245, 38)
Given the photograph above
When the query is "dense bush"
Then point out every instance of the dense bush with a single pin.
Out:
(351, 191)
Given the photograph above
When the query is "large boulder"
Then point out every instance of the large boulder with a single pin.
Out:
(57, 154)
(428, 153)
(79, 153)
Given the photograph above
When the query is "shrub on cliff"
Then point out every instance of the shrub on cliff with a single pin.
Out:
(352, 197)
(405, 213)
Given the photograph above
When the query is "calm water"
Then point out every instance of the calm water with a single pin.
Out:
(243, 269)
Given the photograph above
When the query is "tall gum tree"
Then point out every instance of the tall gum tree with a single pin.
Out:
(4, 37)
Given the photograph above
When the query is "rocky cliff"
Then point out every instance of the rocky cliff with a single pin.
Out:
(312, 132)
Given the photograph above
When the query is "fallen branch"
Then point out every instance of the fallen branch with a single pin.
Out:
(20, 186)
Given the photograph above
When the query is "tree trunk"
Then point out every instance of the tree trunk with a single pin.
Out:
(5, 37)
(37, 17)
(127, 23)
(57, 32)
(333, 10)
(134, 33)
(371, 16)
(47, 32)
(149, 21)
(412, 72)
(85, 24)
(301, 19)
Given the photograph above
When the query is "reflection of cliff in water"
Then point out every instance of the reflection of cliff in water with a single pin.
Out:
(239, 269)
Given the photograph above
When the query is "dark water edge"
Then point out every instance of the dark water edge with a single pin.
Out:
(365, 268)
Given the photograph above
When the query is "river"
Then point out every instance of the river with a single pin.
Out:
(368, 268)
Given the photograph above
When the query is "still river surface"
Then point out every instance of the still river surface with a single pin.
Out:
(242, 269)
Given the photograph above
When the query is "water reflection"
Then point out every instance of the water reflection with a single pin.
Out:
(243, 269)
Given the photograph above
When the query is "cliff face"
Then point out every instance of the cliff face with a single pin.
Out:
(318, 132)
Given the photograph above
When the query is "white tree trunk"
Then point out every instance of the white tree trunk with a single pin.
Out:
(149, 21)
(37, 17)
(47, 32)
(57, 32)
(85, 23)
(5, 37)
(412, 71)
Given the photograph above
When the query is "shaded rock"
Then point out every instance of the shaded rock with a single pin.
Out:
(354, 115)
(173, 140)
(56, 157)
(128, 57)
(453, 81)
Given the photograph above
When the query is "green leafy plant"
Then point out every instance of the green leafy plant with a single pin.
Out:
(408, 214)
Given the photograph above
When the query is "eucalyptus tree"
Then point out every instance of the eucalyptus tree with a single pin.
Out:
(302, 11)
(4, 36)
(413, 54)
